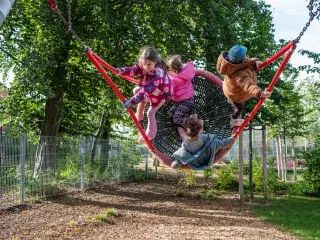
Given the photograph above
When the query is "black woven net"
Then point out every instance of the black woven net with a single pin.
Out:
(211, 106)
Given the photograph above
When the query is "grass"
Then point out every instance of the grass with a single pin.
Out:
(297, 215)
(105, 217)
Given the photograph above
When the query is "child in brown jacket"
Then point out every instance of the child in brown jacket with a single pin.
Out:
(240, 82)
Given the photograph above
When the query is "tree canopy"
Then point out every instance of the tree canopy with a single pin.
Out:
(56, 90)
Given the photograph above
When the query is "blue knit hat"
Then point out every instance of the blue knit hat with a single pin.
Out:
(237, 53)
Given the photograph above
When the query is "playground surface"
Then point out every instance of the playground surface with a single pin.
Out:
(152, 209)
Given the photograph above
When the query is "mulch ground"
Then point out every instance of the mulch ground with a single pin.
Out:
(153, 209)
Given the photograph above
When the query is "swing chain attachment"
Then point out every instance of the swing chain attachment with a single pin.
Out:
(69, 15)
(54, 7)
(312, 15)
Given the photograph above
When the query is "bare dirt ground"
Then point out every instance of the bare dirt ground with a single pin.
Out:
(153, 209)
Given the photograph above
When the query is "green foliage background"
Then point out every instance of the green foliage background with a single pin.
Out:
(56, 85)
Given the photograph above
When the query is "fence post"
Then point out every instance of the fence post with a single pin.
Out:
(22, 166)
(118, 158)
(265, 168)
(82, 151)
(156, 164)
(250, 164)
(147, 164)
(241, 192)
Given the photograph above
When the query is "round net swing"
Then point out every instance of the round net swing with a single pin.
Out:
(211, 106)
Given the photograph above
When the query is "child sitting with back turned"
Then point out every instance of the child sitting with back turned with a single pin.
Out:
(240, 82)
(154, 85)
(198, 149)
(183, 92)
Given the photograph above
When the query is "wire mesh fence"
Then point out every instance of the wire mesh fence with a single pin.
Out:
(257, 149)
(37, 168)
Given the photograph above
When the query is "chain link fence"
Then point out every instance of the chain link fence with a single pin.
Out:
(38, 168)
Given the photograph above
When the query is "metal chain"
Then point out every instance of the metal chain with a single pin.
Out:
(312, 15)
(71, 30)
(68, 23)
(69, 15)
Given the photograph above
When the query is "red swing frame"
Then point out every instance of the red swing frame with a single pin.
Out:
(100, 64)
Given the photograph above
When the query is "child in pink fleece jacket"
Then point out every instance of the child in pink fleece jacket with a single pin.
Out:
(183, 92)
(154, 86)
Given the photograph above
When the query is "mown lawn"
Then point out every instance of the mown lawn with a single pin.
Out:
(298, 215)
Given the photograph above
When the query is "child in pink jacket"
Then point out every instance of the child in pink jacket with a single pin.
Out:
(183, 92)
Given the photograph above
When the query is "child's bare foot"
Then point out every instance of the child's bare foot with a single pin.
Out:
(141, 139)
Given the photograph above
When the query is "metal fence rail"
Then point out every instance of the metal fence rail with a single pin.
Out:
(37, 168)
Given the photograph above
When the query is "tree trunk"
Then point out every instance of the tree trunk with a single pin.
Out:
(46, 150)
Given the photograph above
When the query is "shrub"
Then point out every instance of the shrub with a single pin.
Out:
(273, 184)
(226, 180)
(302, 188)
(312, 173)
(190, 179)
(207, 174)
(257, 174)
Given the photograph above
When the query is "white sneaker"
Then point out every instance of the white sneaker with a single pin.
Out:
(176, 164)
(236, 122)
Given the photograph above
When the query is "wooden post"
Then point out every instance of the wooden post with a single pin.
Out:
(23, 147)
(147, 165)
(294, 160)
(82, 163)
(265, 169)
(250, 162)
(281, 158)
(241, 192)
(285, 158)
(278, 156)
(156, 164)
